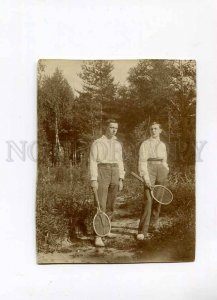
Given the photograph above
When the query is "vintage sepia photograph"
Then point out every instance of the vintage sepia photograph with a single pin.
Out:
(116, 161)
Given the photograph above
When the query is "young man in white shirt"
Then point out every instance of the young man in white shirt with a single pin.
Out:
(107, 169)
(153, 168)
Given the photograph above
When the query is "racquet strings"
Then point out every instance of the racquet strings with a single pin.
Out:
(162, 195)
(101, 224)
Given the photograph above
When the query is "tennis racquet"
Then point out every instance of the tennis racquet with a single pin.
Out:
(101, 222)
(158, 192)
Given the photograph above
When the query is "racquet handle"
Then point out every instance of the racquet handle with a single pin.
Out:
(137, 176)
(97, 198)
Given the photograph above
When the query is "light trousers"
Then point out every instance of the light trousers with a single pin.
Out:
(108, 183)
(151, 208)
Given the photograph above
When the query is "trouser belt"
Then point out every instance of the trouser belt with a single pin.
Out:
(155, 160)
(108, 164)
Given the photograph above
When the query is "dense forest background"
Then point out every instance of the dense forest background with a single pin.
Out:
(69, 120)
(156, 90)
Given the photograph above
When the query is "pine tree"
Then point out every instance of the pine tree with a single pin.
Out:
(99, 88)
(55, 110)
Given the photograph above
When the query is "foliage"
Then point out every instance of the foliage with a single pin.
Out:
(148, 88)
(99, 88)
(182, 110)
(55, 101)
(180, 229)
(97, 80)
(55, 111)
(63, 203)
(156, 90)
(65, 206)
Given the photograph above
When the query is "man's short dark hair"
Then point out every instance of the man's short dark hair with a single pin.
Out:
(156, 123)
(107, 123)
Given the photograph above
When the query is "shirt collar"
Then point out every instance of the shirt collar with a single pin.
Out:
(105, 137)
(154, 140)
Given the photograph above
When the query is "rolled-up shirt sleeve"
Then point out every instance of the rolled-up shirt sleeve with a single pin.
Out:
(164, 154)
(143, 157)
(121, 165)
(93, 162)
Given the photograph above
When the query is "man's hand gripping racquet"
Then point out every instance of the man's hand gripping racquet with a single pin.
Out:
(158, 192)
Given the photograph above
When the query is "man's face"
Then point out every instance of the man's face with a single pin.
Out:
(155, 131)
(111, 130)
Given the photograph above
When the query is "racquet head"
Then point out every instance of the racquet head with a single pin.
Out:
(101, 224)
(162, 194)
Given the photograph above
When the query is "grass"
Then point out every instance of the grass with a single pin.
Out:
(64, 200)
(65, 206)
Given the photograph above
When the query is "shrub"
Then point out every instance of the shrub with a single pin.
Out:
(65, 205)
(61, 206)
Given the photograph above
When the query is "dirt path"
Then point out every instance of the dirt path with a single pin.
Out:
(123, 248)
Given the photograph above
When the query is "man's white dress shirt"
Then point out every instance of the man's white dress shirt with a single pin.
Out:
(104, 150)
(151, 148)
